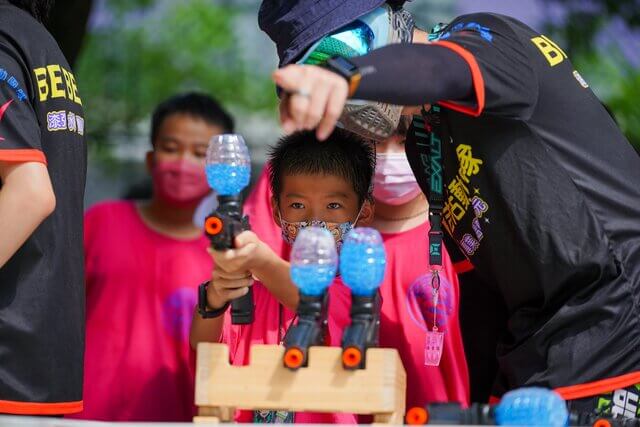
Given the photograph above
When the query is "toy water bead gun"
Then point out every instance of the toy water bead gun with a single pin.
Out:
(314, 263)
(525, 406)
(362, 265)
(228, 169)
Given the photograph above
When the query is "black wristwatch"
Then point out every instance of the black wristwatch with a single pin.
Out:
(346, 69)
(203, 306)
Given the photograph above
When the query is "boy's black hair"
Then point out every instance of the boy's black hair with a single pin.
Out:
(198, 105)
(343, 154)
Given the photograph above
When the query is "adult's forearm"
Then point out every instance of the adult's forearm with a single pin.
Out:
(413, 74)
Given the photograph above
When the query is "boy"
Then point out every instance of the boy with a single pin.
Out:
(328, 183)
(142, 259)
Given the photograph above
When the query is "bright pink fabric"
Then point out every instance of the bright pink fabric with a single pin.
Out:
(407, 312)
(271, 321)
(141, 292)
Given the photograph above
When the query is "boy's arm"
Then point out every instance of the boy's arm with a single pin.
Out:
(256, 257)
(274, 274)
(205, 330)
(26, 199)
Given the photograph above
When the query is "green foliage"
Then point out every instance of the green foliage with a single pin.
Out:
(618, 84)
(609, 74)
(129, 66)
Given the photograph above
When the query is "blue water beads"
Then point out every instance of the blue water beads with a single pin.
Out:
(314, 260)
(532, 406)
(228, 180)
(313, 279)
(363, 261)
(228, 164)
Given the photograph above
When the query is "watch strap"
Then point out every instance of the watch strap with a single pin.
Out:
(203, 307)
(347, 69)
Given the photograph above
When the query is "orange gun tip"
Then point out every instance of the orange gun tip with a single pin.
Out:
(351, 357)
(213, 225)
(602, 423)
(417, 416)
(293, 358)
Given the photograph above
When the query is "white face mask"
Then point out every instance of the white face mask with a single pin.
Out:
(393, 181)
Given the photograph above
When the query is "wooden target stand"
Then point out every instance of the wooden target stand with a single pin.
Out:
(323, 386)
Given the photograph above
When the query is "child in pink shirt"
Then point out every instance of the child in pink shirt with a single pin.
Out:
(325, 183)
(143, 263)
(407, 307)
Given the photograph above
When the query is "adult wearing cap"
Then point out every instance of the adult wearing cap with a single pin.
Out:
(526, 173)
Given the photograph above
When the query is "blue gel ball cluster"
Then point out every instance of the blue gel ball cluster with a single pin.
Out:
(314, 260)
(313, 279)
(227, 180)
(363, 261)
(532, 406)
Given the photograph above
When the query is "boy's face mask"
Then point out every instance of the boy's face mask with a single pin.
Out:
(380, 27)
(339, 230)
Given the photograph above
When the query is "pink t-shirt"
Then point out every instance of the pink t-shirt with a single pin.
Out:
(407, 313)
(141, 293)
(271, 318)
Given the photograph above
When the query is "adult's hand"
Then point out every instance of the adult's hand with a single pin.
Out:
(314, 98)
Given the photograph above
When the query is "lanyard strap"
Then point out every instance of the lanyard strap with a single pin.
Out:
(429, 146)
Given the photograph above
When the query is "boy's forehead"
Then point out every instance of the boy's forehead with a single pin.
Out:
(317, 184)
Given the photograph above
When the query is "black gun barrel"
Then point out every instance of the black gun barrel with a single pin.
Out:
(310, 330)
(363, 332)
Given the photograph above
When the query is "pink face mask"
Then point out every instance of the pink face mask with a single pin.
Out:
(393, 181)
(179, 183)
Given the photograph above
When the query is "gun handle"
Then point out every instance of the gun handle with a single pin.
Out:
(242, 309)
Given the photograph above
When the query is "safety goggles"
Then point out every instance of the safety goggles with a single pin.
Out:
(357, 38)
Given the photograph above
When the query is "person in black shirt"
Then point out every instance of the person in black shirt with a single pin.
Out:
(42, 178)
(541, 189)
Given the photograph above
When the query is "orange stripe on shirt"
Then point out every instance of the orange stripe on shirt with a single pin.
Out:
(595, 388)
(23, 155)
(476, 76)
(463, 266)
(37, 408)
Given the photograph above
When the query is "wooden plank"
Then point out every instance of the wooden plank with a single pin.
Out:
(323, 386)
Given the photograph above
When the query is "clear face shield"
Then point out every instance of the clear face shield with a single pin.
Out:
(380, 27)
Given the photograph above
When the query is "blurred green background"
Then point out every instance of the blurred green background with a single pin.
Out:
(128, 55)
